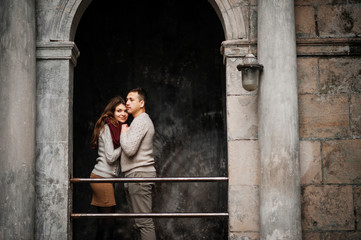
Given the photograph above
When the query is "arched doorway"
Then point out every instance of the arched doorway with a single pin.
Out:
(172, 50)
(56, 58)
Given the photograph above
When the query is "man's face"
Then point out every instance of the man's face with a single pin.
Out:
(133, 103)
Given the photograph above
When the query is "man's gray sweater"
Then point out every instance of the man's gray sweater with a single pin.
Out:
(137, 146)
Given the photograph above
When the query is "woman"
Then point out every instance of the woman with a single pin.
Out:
(105, 138)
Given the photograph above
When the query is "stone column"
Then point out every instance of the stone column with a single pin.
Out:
(54, 138)
(243, 164)
(280, 210)
(17, 111)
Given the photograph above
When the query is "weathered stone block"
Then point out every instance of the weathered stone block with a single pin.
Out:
(339, 20)
(327, 208)
(254, 23)
(317, 2)
(45, 21)
(356, 115)
(52, 191)
(310, 162)
(307, 75)
(305, 21)
(242, 121)
(340, 75)
(52, 82)
(343, 236)
(243, 205)
(357, 203)
(244, 236)
(323, 116)
(253, 2)
(311, 236)
(55, 122)
(234, 78)
(342, 161)
(243, 162)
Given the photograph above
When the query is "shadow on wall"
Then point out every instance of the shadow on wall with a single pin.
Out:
(170, 48)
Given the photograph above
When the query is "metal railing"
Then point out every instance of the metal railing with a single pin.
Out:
(148, 215)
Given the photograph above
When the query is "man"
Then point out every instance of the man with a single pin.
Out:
(137, 160)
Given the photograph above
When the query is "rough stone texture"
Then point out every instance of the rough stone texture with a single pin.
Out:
(243, 207)
(58, 19)
(310, 162)
(342, 236)
(327, 208)
(325, 116)
(280, 213)
(317, 2)
(356, 115)
(307, 75)
(253, 23)
(242, 121)
(243, 163)
(54, 153)
(244, 236)
(17, 117)
(232, 18)
(53, 207)
(341, 161)
(340, 75)
(357, 202)
(55, 22)
(305, 21)
(339, 20)
(311, 236)
(234, 78)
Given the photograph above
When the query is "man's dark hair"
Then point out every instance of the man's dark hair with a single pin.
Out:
(142, 94)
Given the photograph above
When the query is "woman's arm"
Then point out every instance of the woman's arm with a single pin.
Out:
(111, 154)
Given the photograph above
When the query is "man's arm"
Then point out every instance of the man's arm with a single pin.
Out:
(131, 138)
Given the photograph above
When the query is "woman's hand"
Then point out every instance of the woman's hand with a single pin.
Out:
(125, 127)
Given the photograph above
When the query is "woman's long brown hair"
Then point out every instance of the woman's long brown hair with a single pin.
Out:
(108, 113)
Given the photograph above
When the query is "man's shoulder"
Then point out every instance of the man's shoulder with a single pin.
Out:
(141, 120)
(144, 117)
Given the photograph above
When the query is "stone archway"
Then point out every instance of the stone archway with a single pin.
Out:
(231, 17)
(56, 58)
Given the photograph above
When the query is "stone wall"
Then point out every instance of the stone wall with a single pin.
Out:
(328, 48)
(329, 89)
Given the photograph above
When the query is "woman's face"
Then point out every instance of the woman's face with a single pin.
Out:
(120, 113)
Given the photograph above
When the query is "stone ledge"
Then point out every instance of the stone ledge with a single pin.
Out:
(328, 46)
(57, 50)
(304, 47)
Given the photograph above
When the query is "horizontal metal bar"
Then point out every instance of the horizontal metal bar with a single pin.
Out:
(147, 215)
(163, 179)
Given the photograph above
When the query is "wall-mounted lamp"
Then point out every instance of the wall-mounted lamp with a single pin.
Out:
(250, 72)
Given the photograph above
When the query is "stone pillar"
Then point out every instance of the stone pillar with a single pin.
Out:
(280, 210)
(54, 138)
(17, 111)
(243, 164)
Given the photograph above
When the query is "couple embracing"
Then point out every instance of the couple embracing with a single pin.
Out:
(134, 145)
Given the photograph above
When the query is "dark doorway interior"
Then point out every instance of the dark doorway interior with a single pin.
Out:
(170, 48)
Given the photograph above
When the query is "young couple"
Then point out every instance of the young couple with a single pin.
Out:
(134, 145)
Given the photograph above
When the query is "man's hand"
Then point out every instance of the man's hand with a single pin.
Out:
(125, 128)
